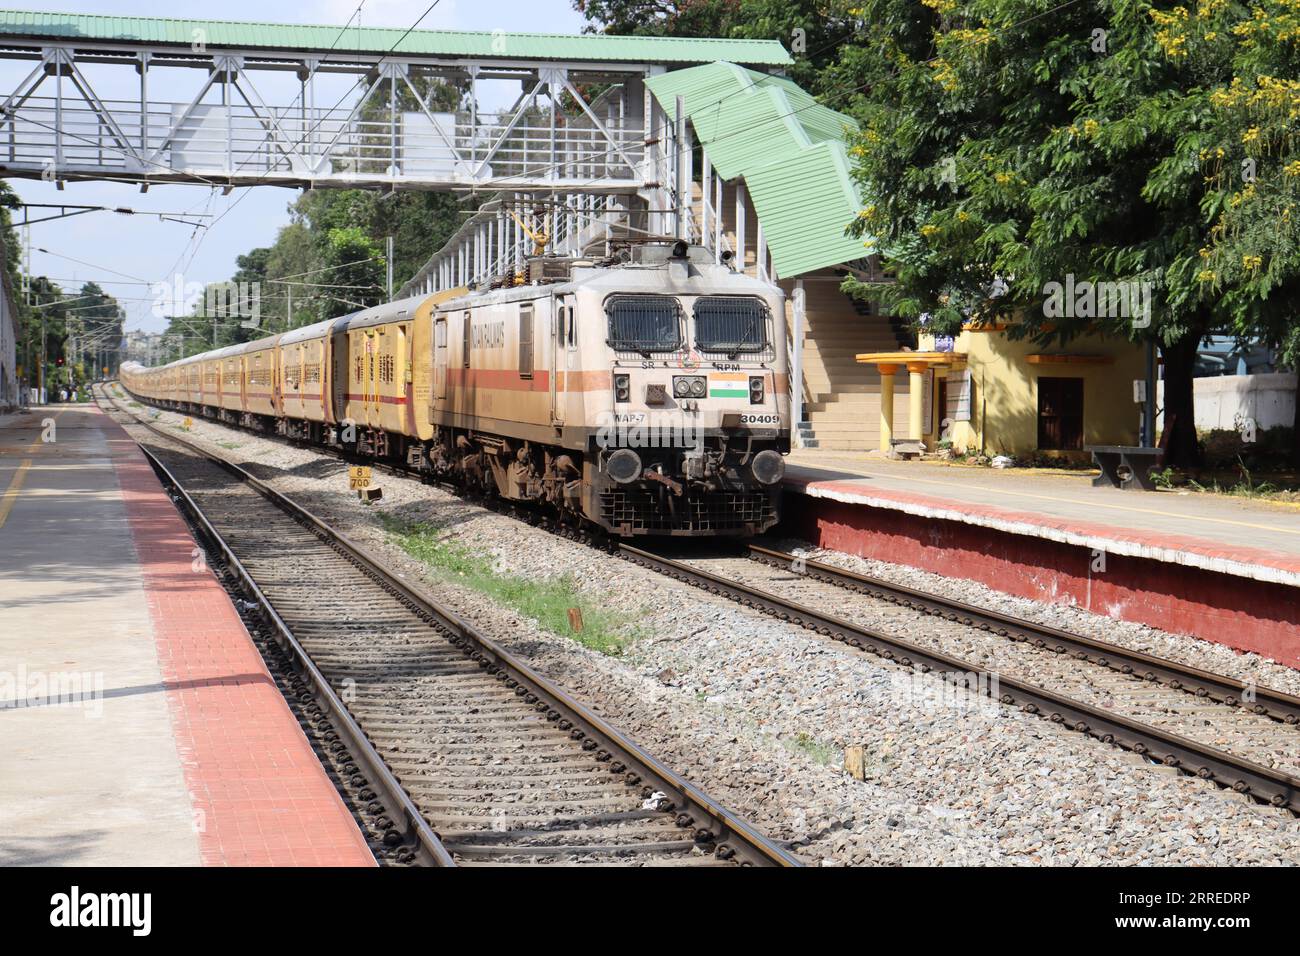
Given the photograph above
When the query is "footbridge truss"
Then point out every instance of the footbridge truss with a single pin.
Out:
(240, 104)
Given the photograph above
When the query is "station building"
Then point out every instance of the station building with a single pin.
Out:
(774, 188)
(987, 392)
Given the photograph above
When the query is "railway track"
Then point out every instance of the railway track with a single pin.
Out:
(475, 759)
(1229, 691)
(1115, 673)
(1196, 703)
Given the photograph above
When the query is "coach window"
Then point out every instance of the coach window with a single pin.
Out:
(526, 341)
(465, 345)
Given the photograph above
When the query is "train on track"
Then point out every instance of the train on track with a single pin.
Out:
(645, 392)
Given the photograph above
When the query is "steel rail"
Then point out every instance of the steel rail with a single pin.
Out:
(1205, 684)
(733, 836)
(428, 848)
(1226, 770)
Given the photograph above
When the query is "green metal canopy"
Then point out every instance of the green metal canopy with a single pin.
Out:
(789, 149)
(72, 27)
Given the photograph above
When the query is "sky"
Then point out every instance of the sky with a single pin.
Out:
(123, 253)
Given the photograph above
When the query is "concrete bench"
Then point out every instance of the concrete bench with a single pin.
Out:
(906, 448)
(1137, 461)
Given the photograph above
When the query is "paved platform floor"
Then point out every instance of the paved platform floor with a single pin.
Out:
(1252, 538)
(138, 724)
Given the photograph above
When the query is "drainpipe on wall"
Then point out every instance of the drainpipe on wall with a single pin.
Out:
(796, 364)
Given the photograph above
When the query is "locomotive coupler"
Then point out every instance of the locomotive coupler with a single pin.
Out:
(673, 486)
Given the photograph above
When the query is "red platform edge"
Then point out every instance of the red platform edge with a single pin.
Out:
(1243, 613)
(259, 794)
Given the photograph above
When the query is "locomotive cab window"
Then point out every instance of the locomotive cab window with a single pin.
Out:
(644, 323)
(730, 324)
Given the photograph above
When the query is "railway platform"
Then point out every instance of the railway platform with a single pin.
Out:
(138, 723)
(1220, 568)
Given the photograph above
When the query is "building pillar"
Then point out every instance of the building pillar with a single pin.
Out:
(915, 397)
(887, 406)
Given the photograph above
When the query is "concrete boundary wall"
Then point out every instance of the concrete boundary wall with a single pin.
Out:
(1222, 401)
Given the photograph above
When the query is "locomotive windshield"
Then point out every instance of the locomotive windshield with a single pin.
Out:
(730, 324)
(644, 323)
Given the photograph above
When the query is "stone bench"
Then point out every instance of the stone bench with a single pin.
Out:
(906, 448)
(1137, 461)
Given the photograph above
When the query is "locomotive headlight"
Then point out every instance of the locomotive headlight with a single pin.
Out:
(622, 388)
(756, 390)
(690, 386)
(768, 467)
(624, 466)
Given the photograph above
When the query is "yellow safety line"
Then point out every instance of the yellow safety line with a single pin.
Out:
(1068, 501)
(20, 475)
(15, 486)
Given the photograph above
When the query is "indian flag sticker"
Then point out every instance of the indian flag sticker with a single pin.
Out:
(728, 385)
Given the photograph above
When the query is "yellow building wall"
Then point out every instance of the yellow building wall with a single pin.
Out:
(1004, 407)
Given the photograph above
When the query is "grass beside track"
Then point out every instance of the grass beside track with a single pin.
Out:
(546, 601)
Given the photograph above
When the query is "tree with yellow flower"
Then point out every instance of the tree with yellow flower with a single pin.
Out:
(1086, 138)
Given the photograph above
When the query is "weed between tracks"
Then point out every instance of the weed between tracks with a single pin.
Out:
(546, 601)
(819, 752)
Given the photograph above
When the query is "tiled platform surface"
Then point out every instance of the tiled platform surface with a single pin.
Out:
(138, 724)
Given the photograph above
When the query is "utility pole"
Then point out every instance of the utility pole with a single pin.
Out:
(389, 258)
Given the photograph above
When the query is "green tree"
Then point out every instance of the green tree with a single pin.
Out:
(818, 32)
(95, 318)
(1250, 160)
(1008, 145)
(356, 271)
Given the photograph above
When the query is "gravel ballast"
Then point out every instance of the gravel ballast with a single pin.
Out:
(758, 713)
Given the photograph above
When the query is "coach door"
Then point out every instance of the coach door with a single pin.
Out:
(372, 345)
(440, 357)
(560, 318)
